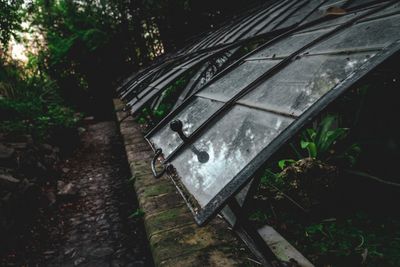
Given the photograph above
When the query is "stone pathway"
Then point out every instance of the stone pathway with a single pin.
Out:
(94, 228)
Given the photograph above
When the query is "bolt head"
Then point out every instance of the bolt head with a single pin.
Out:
(176, 125)
(203, 157)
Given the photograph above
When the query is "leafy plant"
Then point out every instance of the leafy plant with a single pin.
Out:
(10, 19)
(285, 162)
(322, 142)
(352, 236)
(270, 177)
(32, 116)
(319, 142)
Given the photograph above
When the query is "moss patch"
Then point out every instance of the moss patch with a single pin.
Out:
(158, 189)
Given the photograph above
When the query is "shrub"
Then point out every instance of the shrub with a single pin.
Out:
(35, 117)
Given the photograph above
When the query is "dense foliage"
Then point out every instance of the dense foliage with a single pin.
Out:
(10, 19)
(78, 51)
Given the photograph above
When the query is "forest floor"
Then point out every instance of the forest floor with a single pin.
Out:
(92, 225)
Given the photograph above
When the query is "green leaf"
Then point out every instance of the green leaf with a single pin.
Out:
(285, 162)
(304, 144)
(311, 148)
(323, 128)
(330, 138)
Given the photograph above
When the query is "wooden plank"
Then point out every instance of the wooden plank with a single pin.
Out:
(281, 247)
